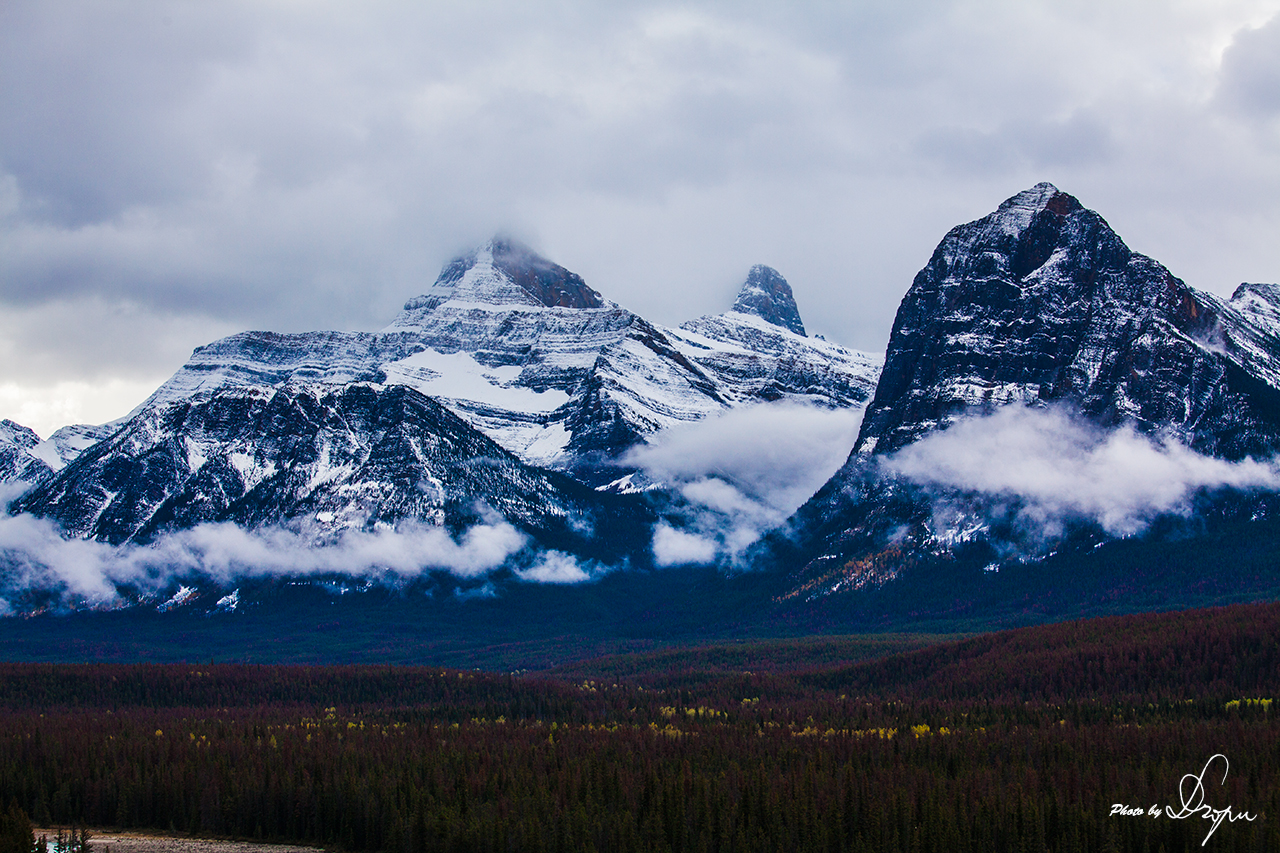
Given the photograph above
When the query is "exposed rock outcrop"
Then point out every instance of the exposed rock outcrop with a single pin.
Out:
(1041, 303)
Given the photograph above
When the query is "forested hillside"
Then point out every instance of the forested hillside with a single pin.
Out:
(1006, 742)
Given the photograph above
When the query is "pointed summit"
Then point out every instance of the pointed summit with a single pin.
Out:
(1040, 303)
(506, 272)
(549, 283)
(767, 295)
(1043, 196)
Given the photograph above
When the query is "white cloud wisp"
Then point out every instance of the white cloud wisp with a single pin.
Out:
(36, 556)
(742, 473)
(1062, 469)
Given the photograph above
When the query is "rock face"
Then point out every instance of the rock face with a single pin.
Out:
(758, 351)
(1042, 303)
(767, 295)
(321, 461)
(20, 462)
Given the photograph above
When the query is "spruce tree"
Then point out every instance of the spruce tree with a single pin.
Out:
(16, 834)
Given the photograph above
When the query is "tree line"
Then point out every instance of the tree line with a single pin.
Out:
(906, 753)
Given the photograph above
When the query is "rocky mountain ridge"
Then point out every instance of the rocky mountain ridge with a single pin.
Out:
(318, 461)
(507, 363)
(1038, 304)
(524, 351)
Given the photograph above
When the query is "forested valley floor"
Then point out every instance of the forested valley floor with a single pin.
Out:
(1015, 741)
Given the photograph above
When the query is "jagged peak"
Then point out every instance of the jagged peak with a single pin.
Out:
(1043, 196)
(505, 271)
(1021, 234)
(766, 295)
(1016, 213)
(1262, 301)
(1258, 290)
(17, 434)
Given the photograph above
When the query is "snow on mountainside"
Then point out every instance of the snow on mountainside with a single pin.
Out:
(26, 460)
(320, 461)
(20, 463)
(329, 432)
(758, 351)
(530, 355)
(1041, 304)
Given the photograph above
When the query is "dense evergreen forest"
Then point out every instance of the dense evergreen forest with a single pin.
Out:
(1018, 741)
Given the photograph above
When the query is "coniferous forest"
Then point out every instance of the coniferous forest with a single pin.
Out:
(1024, 740)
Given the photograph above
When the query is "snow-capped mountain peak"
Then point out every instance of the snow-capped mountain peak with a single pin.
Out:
(1259, 301)
(515, 347)
(20, 457)
(767, 295)
(1018, 210)
(503, 275)
(1041, 309)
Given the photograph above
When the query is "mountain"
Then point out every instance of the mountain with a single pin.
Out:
(26, 460)
(444, 418)
(20, 460)
(526, 352)
(434, 423)
(1039, 304)
(320, 461)
(758, 351)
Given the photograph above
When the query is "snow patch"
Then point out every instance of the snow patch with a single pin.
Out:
(181, 597)
(459, 376)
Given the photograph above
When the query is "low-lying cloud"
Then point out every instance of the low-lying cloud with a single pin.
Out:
(743, 472)
(35, 555)
(555, 567)
(1060, 468)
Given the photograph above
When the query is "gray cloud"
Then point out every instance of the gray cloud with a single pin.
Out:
(1250, 81)
(263, 165)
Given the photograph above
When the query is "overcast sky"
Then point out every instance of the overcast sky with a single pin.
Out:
(173, 172)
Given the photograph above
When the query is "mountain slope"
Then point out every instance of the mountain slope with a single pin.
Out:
(21, 461)
(319, 461)
(1040, 303)
(530, 355)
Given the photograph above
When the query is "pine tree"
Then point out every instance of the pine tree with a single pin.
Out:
(16, 834)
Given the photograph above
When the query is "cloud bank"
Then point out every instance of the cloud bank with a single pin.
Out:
(1059, 468)
(742, 472)
(34, 555)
